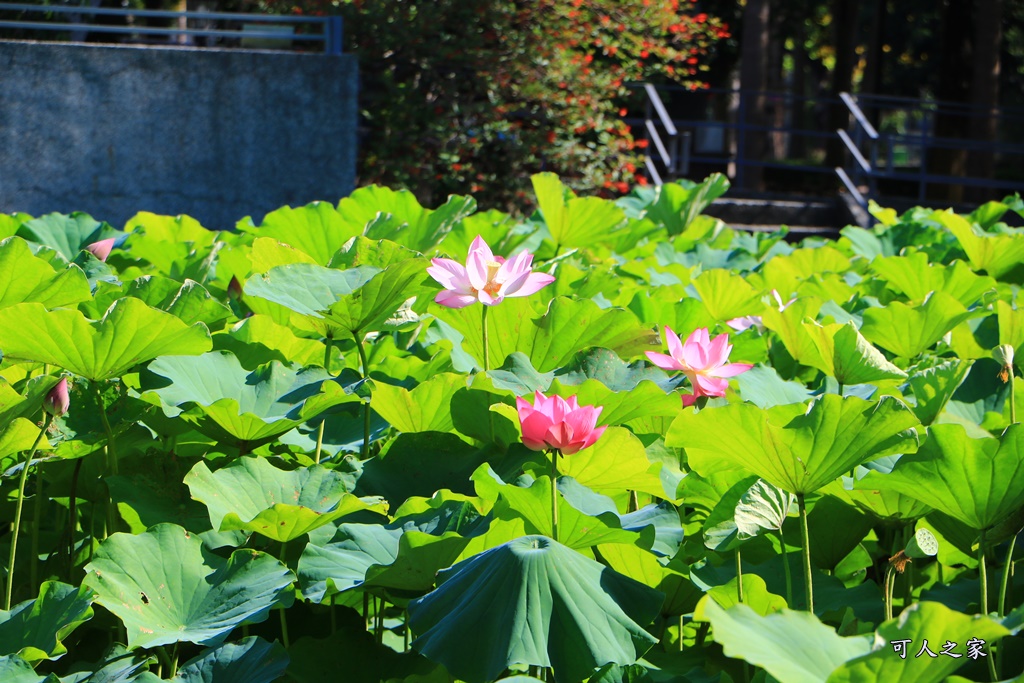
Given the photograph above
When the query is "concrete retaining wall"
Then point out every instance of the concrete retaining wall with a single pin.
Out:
(215, 134)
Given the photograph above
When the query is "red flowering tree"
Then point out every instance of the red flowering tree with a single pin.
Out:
(476, 96)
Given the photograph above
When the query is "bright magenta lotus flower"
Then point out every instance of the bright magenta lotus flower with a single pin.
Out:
(485, 277)
(553, 422)
(101, 249)
(58, 401)
(704, 362)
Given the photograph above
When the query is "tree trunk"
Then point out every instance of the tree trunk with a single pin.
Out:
(753, 78)
(988, 36)
(844, 37)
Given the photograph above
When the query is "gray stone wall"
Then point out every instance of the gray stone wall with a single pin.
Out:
(215, 134)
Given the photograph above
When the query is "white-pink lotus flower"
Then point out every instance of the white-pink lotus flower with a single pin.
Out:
(485, 277)
(101, 249)
(748, 321)
(704, 362)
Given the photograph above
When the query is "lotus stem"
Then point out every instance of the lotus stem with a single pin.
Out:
(1013, 402)
(785, 569)
(739, 576)
(37, 522)
(483, 330)
(982, 574)
(18, 509)
(634, 502)
(320, 429)
(887, 588)
(284, 620)
(554, 494)
(408, 631)
(808, 581)
(680, 632)
(73, 516)
(334, 616)
(840, 390)
(111, 447)
(365, 452)
(1007, 570)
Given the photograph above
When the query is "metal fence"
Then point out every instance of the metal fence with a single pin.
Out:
(219, 29)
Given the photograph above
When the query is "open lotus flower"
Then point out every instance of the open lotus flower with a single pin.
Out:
(554, 422)
(704, 362)
(485, 277)
(101, 249)
(748, 321)
(58, 401)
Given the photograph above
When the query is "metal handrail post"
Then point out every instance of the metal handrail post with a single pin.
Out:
(333, 31)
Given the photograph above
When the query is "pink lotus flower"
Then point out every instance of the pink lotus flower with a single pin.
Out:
(101, 249)
(704, 362)
(58, 401)
(553, 422)
(485, 277)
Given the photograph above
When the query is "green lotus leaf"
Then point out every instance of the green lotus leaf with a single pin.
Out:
(252, 495)
(535, 602)
(908, 331)
(676, 205)
(762, 507)
(762, 386)
(251, 660)
(995, 254)
(341, 303)
(177, 247)
(267, 253)
(33, 630)
(25, 277)
(338, 562)
(381, 213)
(241, 406)
(913, 276)
(798, 448)
(67, 235)
(317, 229)
(923, 624)
(789, 326)
(167, 588)
(258, 340)
(672, 579)
(933, 387)
(605, 366)
(726, 295)
(891, 507)
(130, 333)
(518, 375)
(18, 436)
(645, 400)
(575, 529)
(10, 222)
(847, 356)
(787, 273)
(653, 308)
(189, 301)
(550, 341)
(755, 596)
(425, 408)
(946, 471)
(574, 222)
(791, 646)
(835, 530)
(366, 252)
(496, 228)
(14, 669)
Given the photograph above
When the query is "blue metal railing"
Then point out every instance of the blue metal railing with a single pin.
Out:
(330, 34)
(863, 142)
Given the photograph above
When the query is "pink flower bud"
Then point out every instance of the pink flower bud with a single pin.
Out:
(557, 423)
(58, 401)
(101, 249)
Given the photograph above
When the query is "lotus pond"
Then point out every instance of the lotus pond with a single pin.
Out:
(615, 441)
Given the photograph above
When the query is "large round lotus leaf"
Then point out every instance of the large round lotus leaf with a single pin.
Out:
(252, 495)
(908, 331)
(847, 356)
(251, 660)
(67, 235)
(129, 333)
(24, 277)
(233, 404)
(536, 602)
(33, 629)
(948, 471)
(14, 669)
(797, 448)
(167, 587)
(551, 340)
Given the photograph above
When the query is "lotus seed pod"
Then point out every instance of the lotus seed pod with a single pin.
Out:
(922, 544)
(1003, 354)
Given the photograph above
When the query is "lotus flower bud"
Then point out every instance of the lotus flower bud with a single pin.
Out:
(101, 249)
(58, 401)
(1004, 356)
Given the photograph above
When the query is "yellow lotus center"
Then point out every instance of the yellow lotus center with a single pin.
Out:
(492, 287)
